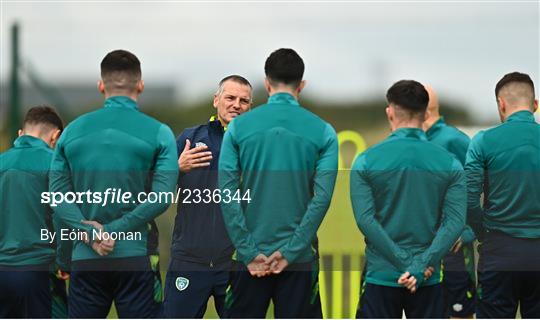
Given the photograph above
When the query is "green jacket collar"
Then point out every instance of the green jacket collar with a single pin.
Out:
(121, 102)
(283, 98)
(523, 115)
(414, 133)
(438, 125)
(27, 141)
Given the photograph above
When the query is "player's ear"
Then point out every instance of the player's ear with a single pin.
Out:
(267, 85)
(389, 113)
(55, 135)
(501, 104)
(140, 86)
(101, 87)
(301, 87)
(427, 114)
(390, 116)
(20, 132)
(535, 106)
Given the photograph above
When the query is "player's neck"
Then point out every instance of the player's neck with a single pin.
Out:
(292, 92)
(411, 124)
(132, 96)
(517, 109)
(430, 122)
(36, 134)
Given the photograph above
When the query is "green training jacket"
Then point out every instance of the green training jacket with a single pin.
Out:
(287, 158)
(116, 147)
(23, 177)
(457, 143)
(409, 200)
(504, 163)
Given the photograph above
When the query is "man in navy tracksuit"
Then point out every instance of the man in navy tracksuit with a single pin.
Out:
(201, 252)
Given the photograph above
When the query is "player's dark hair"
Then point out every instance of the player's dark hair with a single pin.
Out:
(514, 77)
(409, 95)
(121, 65)
(43, 115)
(284, 66)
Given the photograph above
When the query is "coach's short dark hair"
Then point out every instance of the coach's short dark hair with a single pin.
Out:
(43, 115)
(514, 77)
(284, 66)
(409, 95)
(121, 68)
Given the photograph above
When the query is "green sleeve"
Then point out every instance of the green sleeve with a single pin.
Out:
(454, 211)
(474, 169)
(467, 235)
(164, 176)
(64, 248)
(60, 181)
(363, 205)
(459, 147)
(233, 216)
(323, 188)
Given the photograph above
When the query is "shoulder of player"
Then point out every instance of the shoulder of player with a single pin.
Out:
(492, 134)
(4, 156)
(36, 158)
(453, 132)
(102, 112)
(385, 146)
(436, 147)
(7, 153)
(151, 121)
(263, 108)
(81, 120)
(373, 150)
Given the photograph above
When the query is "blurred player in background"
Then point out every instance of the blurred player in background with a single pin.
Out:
(27, 289)
(409, 200)
(201, 251)
(503, 163)
(116, 147)
(287, 158)
(459, 280)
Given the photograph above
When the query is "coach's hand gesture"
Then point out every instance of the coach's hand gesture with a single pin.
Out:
(194, 158)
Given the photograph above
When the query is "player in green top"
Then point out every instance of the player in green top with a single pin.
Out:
(26, 257)
(459, 270)
(114, 150)
(504, 163)
(409, 200)
(286, 157)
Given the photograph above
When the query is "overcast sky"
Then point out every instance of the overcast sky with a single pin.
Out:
(351, 50)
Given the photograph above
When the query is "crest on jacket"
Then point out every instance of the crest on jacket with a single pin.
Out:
(182, 283)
